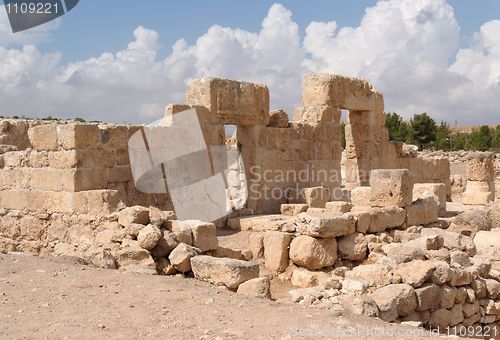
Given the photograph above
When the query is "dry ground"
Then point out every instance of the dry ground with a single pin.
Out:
(56, 298)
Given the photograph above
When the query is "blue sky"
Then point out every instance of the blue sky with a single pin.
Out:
(123, 61)
(97, 26)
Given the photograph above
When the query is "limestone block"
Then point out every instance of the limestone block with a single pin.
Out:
(149, 236)
(50, 201)
(402, 295)
(304, 278)
(256, 245)
(480, 167)
(258, 287)
(324, 224)
(13, 199)
(78, 136)
(393, 187)
(338, 206)
(181, 257)
(43, 137)
(437, 190)
(223, 271)
(478, 193)
(416, 272)
(352, 247)
(316, 197)
(204, 234)
(135, 214)
(360, 196)
(316, 114)
(114, 137)
(362, 218)
(312, 253)
(385, 218)
(376, 274)
(276, 250)
(423, 211)
(278, 118)
(230, 101)
(293, 209)
(341, 92)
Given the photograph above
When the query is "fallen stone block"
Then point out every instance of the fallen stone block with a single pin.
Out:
(422, 212)
(435, 190)
(359, 305)
(301, 277)
(401, 295)
(416, 272)
(135, 214)
(338, 207)
(428, 297)
(149, 236)
(223, 271)
(259, 287)
(181, 257)
(276, 250)
(312, 253)
(262, 223)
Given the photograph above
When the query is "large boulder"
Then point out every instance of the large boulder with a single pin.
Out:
(313, 253)
(223, 271)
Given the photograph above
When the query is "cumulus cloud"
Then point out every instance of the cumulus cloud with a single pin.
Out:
(403, 47)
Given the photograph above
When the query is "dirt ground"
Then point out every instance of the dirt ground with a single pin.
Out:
(60, 298)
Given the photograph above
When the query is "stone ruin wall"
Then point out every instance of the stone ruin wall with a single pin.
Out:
(84, 167)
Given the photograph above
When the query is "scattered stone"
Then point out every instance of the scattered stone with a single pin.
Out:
(352, 247)
(402, 295)
(181, 256)
(149, 236)
(276, 250)
(312, 253)
(259, 287)
(135, 214)
(223, 271)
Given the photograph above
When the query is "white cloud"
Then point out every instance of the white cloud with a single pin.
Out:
(403, 47)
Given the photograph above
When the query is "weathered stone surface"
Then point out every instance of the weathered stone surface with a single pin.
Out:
(278, 118)
(352, 247)
(480, 167)
(164, 267)
(384, 218)
(391, 188)
(405, 253)
(324, 224)
(301, 277)
(230, 101)
(435, 190)
(359, 305)
(316, 197)
(423, 211)
(460, 277)
(452, 240)
(428, 297)
(338, 206)
(459, 259)
(159, 217)
(471, 221)
(204, 235)
(312, 253)
(136, 214)
(258, 287)
(262, 223)
(352, 286)
(416, 272)
(493, 288)
(376, 274)
(149, 236)
(181, 256)
(441, 273)
(222, 271)
(134, 257)
(293, 209)
(276, 250)
(256, 245)
(488, 243)
(430, 242)
(363, 219)
(360, 196)
(446, 296)
(401, 295)
(165, 244)
(182, 231)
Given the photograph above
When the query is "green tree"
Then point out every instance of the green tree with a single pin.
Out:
(443, 137)
(496, 140)
(424, 130)
(481, 139)
(399, 130)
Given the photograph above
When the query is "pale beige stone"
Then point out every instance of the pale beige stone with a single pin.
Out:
(181, 257)
(385, 218)
(338, 206)
(360, 196)
(256, 245)
(316, 197)
(135, 214)
(258, 287)
(416, 272)
(223, 271)
(428, 297)
(353, 247)
(422, 211)
(149, 236)
(293, 209)
(312, 253)
(435, 190)
(391, 188)
(325, 224)
(401, 295)
(276, 250)
(278, 118)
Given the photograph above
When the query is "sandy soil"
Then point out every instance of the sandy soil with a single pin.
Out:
(54, 298)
